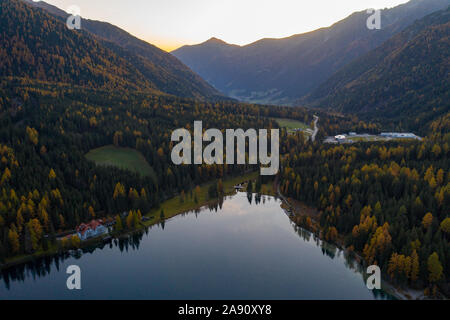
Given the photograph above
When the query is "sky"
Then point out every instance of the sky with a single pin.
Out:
(170, 24)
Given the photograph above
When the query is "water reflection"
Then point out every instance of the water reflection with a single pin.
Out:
(44, 267)
(331, 251)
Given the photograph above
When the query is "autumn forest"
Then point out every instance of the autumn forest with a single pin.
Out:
(65, 93)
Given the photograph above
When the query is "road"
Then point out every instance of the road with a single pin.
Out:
(316, 129)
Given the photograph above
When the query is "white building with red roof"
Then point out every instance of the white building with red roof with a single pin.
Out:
(92, 229)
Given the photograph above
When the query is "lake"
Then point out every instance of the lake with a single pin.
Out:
(245, 247)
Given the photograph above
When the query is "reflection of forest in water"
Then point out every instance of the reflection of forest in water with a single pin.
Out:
(42, 267)
(331, 251)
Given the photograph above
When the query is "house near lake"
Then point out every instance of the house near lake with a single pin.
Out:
(92, 229)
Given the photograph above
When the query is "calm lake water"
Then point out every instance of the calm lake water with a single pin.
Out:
(236, 250)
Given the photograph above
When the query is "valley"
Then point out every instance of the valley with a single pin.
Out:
(282, 71)
(358, 133)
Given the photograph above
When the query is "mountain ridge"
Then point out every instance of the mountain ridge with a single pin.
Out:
(406, 78)
(168, 73)
(280, 71)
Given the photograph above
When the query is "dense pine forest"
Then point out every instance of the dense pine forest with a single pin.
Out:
(47, 184)
(389, 202)
(46, 131)
(63, 94)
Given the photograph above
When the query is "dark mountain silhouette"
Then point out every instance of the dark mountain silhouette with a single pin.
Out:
(407, 78)
(283, 70)
(117, 53)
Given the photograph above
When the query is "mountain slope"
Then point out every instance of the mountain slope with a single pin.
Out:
(82, 58)
(405, 78)
(282, 70)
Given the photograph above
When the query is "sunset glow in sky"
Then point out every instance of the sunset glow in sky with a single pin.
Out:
(170, 24)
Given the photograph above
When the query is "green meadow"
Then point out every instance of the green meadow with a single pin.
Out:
(124, 158)
(291, 124)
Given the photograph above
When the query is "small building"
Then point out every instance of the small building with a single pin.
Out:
(339, 137)
(92, 229)
(400, 135)
(352, 133)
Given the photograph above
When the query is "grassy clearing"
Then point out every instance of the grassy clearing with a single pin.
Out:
(291, 124)
(369, 138)
(124, 158)
(175, 206)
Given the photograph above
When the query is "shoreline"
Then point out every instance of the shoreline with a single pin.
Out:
(387, 286)
(228, 186)
(399, 293)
